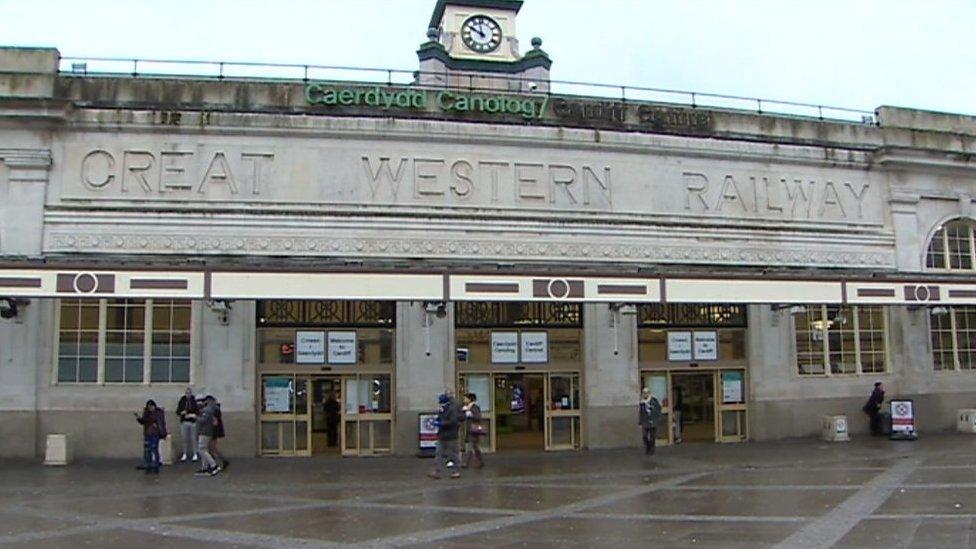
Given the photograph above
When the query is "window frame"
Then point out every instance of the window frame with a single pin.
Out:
(853, 311)
(954, 336)
(941, 236)
(147, 331)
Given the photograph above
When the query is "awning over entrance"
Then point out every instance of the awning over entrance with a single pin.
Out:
(51, 281)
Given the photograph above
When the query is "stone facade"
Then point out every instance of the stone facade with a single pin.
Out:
(98, 172)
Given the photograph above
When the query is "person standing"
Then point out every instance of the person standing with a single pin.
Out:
(187, 411)
(873, 408)
(648, 414)
(153, 420)
(332, 419)
(206, 423)
(473, 431)
(448, 424)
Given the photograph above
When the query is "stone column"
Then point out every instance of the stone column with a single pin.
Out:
(424, 367)
(226, 369)
(22, 201)
(611, 378)
(909, 243)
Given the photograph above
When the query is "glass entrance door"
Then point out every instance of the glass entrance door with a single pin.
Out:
(285, 415)
(367, 416)
(562, 411)
(693, 395)
(732, 407)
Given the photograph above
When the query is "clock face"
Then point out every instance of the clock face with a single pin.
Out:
(481, 33)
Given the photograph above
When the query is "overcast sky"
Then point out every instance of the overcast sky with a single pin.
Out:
(851, 53)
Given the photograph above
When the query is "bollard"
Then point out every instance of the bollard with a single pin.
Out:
(835, 429)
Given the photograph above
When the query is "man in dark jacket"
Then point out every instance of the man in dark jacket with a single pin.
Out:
(449, 418)
(153, 420)
(206, 427)
(648, 415)
(873, 408)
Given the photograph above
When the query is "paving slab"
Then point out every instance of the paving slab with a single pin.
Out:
(768, 503)
(911, 533)
(501, 497)
(114, 538)
(338, 525)
(589, 532)
(924, 501)
(773, 477)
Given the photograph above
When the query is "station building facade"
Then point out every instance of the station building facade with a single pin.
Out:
(283, 243)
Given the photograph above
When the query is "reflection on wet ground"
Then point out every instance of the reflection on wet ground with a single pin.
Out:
(801, 493)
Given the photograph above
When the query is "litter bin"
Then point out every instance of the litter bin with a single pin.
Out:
(966, 421)
(835, 429)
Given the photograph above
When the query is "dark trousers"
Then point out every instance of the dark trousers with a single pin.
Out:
(332, 432)
(875, 423)
(649, 433)
(150, 452)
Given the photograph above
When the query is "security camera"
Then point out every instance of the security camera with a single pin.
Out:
(436, 308)
(10, 307)
(533, 86)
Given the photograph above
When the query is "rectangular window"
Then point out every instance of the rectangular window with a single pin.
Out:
(106, 340)
(838, 340)
(953, 334)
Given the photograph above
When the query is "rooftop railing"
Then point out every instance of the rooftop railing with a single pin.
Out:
(281, 72)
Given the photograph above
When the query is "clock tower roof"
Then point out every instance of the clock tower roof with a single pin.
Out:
(435, 18)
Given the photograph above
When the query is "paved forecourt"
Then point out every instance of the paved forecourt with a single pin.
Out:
(801, 493)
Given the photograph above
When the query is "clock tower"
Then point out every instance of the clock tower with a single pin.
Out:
(472, 44)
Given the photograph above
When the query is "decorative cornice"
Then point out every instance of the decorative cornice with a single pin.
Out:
(474, 249)
(428, 51)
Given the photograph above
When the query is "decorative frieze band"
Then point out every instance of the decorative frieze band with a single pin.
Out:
(491, 249)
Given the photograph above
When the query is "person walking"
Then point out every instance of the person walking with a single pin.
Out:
(187, 410)
(206, 423)
(473, 431)
(153, 420)
(218, 434)
(873, 408)
(448, 424)
(648, 414)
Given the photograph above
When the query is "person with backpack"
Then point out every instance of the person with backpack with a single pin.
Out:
(153, 421)
(448, 423)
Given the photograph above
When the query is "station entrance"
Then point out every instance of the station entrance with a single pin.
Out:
(527, 410)
(693, 359)
(325, 377)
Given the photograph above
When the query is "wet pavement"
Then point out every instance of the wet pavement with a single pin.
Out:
(800, 493)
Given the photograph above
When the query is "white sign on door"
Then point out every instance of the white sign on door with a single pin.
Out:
(535, 347)
(310, 347)
(679, 346)
(342, 348)
(504, 348)
(706, 345)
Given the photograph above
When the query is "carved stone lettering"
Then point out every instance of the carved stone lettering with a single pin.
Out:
(461, 183)
(527, 186)
(96, 169)
(171, 170)
(136, 165)
(383, 174)
(765, 196)
(427, 176)
(218, 172)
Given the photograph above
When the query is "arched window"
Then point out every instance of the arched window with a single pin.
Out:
(952, 246)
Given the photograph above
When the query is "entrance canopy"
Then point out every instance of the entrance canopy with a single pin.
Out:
(50, 281)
